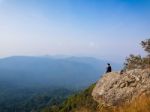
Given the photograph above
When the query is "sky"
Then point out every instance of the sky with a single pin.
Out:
(105, 29)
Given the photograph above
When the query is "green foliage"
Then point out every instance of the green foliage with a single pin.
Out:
(31, 100)
(138, 62)
(133, 62)
(76, 102)
(146, 45)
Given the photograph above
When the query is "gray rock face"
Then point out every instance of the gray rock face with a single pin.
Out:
(114, 89)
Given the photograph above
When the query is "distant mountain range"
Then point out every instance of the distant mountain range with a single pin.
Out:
(74, 72)
(31, 83)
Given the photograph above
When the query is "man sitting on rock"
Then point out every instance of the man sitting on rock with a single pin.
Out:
(108, 68)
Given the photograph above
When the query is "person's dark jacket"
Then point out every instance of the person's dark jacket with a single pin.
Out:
(108, 69)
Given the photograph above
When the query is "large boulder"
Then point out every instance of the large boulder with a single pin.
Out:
(114, 89)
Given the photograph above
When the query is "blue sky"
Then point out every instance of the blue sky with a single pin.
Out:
(106, 29)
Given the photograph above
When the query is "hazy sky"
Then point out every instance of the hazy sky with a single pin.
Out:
(107, 29)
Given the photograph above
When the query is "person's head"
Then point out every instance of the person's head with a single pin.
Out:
(108, 64)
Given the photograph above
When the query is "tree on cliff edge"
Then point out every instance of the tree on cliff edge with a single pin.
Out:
(146, 45)
(137, 61)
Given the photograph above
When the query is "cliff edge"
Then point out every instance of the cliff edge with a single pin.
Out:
(114, 89)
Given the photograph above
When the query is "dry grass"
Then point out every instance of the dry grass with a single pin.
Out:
(83, 110)
(140, 105)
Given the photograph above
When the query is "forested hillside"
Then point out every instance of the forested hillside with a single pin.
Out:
(80, 102)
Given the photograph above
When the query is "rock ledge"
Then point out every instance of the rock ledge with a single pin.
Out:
(114, 89)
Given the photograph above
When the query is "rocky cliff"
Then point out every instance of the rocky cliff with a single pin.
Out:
(114, 89)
